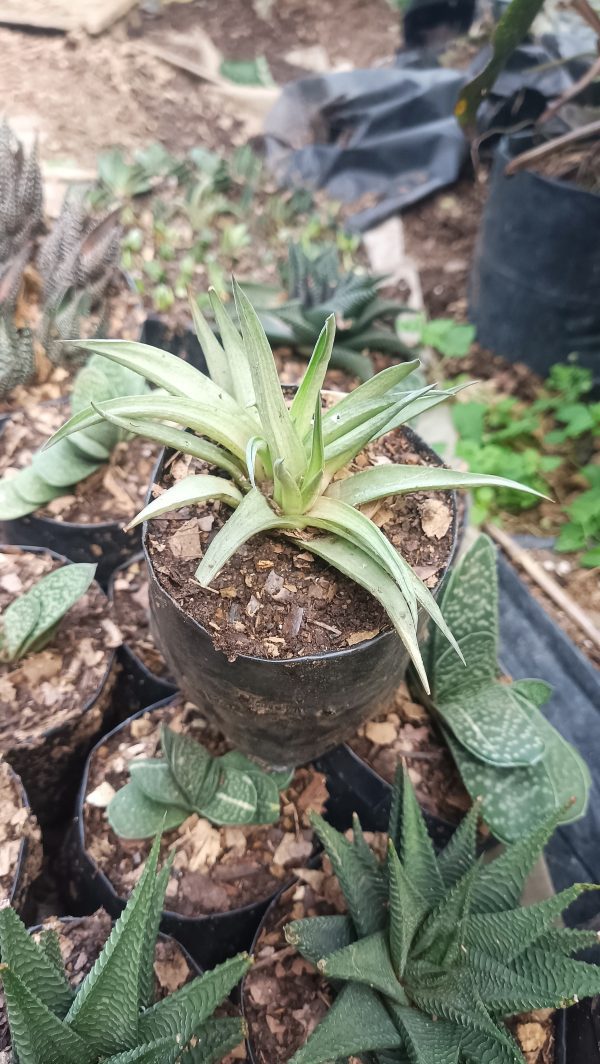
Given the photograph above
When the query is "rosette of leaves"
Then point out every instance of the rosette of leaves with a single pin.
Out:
(435, 951)
(52, 474)
(317, 287)
(79, 255)
(29, 623)
(163, 792)
(112, 1017)
(506, 751)
(21, 196)
(276, 467)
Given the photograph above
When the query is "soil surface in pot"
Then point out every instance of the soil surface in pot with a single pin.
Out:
(18, 828)
(274, 600)
(81, 941)
(284, 997)
(47, 689)
(130, 604)
(216, 869)
(406, 732)
(115, 492)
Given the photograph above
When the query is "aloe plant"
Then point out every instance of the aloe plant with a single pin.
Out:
(21, 195)
(316, 287)
(435, 950)
(280, 463)
(31, 620)
(163, 792)
(112, 1017)
(506, 751)
(52, 474)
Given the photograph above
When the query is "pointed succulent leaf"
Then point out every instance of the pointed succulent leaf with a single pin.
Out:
(147, 974)
(161, 1051)
(378, 386)
(357, 1022)
(16, 625)
(319, 936)
(195, 772)
(29, 962)
(459, 855)
(409, 834)
(378, 482)
(105, 1012)
(366, 961)
(441, 937)
(499, 885)
(428, 1041)
(241, 378)
(38, 1036)
(132, 815)
(184, 1012)
(364, 888)
(533, 981)
(253, 515)
(308, 394)
(49, 943)
(213, 1040)
(469, 598)
(218, 366)
(479, 1048)
(407, 907)
(456, 998)
(189, 491)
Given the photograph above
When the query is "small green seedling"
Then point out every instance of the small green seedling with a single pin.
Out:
(435, 950)
(112, 1017)
(225, 790)
(31, 620)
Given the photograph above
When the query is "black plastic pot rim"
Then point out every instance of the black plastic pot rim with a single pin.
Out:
(24, 843)
(327, 655)
(146, 672)
(14, 548)
(119, 902)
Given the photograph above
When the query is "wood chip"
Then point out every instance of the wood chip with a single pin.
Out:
(436, 518)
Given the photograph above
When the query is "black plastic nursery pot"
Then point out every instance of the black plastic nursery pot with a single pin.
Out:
(27, 865)
(184, 343)
(210, 938)
(49, 762)
(138, 685)
(534, 284)
(576, 1029)
(289, 710)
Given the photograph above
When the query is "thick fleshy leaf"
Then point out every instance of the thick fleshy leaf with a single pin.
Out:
(319, 936)
(29, 962)
(52, 597)
(383, 480)
(428, 1041)
(235, 800)
(64, 466)
(407, 907)
(195, 772)
(409, 834)
(16, 625)
(357, 1022)
(308, 395)
(500, 884)
(189, 491)
(277, 426)
(38, 1036)
(147, 974)
(252, 516)
(533, 980)
(364, 887)
(469, 598)
(366, 961)
(459, 855)
(479, 1048)
(491, 724)
(22, 494)
(213, 1040)
(162, 1051)
(375, 388)
(216, 359)
(237, 359)
(157, 782)
(132, 815)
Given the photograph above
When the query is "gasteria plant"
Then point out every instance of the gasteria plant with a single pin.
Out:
(31, 620)
(163, 792)
(112, 1017)
(317, 287)
(506, 751)
(280, 464)
(435, 951)
(51, 475)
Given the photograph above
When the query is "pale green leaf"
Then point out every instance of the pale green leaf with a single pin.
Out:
(383, 480)
(252, 516)
(234, 802)
(237, 360)
(491, 724)
(216, 359)
(157, 782)
(132, 815)
(308, 394)
(195, 772)
(190, 491)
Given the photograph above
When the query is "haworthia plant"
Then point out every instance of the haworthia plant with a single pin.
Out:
(51, 475)
(508, 754)
(281, 463)
(112, 1017)
(317, 287)
(163, 792)
(29, 623)
(435, 951)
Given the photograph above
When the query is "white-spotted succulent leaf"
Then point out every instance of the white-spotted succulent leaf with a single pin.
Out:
(30, 621)
(274, 466)
(435, 983)
(506, 751)
(54, 473)
(225, 790)
(111, 1018)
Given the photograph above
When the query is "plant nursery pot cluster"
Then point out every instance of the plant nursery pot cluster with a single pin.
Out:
(224, 878)
(285, 655)
(85, 524)
(81, 941)
(55, 702)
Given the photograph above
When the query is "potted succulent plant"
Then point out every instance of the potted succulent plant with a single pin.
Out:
(56, 672)
(76, 498)
(475, 725)
(112, 1015)
(20, 841)
(430, 957)
(52, 289)
(302, 471)
(236, 829)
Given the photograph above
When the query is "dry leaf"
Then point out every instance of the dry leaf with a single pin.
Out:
(173, 973)
(292, 849)
(435, 518)
(382, 733)
(361, 637)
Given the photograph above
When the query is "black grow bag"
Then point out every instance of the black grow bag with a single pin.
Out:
(138, 685)
(184, 343)
(536, 275)
(209, 939)
(283, 710)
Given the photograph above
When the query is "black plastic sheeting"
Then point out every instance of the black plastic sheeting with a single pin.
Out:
(382, 139)
(532, 645)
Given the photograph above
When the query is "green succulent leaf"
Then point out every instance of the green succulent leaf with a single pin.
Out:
(366, 961)
(357, 1022)
(241, 377)
(30, 963)
(363, 885)
(213, 1040)
(132, 815)
(188, 491)
(29, 622)
(380, 481)
(319, 936)
(38, 1036)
